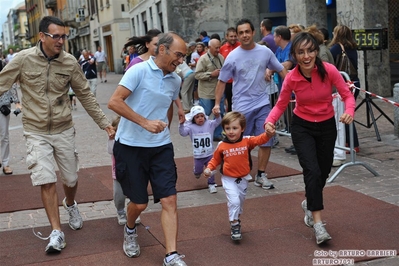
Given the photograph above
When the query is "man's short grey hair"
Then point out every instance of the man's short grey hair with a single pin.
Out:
(166, 39)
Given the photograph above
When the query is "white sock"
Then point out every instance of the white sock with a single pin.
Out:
(130, 231)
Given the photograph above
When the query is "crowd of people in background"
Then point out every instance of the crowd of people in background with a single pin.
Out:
(232, 90)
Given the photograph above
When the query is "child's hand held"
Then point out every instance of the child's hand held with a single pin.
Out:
(207, 172)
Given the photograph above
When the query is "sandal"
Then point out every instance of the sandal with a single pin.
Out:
(7, 170)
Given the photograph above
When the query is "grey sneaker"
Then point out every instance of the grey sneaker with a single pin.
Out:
(122, 219)
(308, 219)
(130, 245)
(263, 181)
(212, 188)
(177, 261)
(236, 232)
(321, 233)
(75, 220)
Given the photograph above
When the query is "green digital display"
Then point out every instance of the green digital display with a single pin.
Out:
(371, 39)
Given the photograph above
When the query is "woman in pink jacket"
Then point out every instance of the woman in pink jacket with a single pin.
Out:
(313, 125)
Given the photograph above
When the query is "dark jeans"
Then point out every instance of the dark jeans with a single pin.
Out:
(314, 143)
(228, 94)
(208, 104)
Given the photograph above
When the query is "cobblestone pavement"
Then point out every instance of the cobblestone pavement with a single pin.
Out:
(382, 156)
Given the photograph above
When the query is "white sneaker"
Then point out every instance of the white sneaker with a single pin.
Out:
(138, 220)
(130, 245)
(122, 219)
(337, 163)
(212, 188)
(263, 181)
(321, 233)
(75, 220)
(57, 241)
(176, 261)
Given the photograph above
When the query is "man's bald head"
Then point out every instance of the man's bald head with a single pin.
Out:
(214, 46)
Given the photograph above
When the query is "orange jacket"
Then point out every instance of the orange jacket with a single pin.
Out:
(235, 158)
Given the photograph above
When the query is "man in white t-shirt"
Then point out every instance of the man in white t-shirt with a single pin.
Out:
(101, 61)
(10, 55)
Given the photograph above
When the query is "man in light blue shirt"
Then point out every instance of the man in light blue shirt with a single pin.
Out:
(143, 149)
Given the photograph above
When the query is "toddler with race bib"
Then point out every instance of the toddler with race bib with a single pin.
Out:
(200, 129)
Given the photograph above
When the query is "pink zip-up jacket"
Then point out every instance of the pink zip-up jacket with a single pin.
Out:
(313, 99)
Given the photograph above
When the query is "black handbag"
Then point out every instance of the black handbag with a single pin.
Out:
(5, 110)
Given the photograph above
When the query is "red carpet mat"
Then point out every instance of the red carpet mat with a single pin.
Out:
(274, 232)
(95, 184)
(187, 181)
(17, 192)
(99, 242)
(272, 226)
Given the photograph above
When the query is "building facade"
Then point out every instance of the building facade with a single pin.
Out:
(146, 15)
(36, 10)
(6, 35)
(15, 27)
(20, 27)
(113, 31)
(110, 23)
(190, 17)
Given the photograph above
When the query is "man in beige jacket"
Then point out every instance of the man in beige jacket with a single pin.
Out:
(45, 73)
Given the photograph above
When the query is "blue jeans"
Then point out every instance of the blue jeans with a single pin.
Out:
(208, 104)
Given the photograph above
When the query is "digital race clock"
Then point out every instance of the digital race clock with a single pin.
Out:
(371, 39)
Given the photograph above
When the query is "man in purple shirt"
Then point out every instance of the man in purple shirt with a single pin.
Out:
(247, 65)
(266, 30)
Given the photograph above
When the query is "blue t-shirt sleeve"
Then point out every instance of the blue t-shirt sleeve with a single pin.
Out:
(131, 79)
(274, 64)
(177, 86)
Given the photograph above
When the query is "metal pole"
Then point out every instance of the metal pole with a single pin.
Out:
(353, 161)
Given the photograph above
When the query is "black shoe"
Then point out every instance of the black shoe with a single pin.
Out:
(290, 149)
